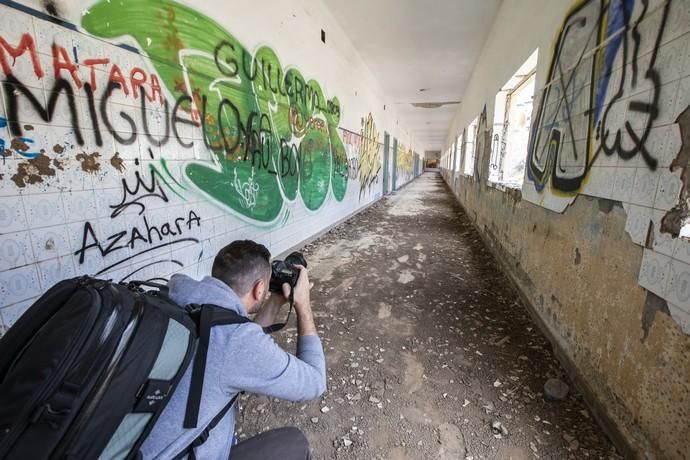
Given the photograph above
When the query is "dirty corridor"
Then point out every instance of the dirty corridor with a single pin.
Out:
(430, 353)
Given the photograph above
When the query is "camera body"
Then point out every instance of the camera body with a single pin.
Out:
(284, 271)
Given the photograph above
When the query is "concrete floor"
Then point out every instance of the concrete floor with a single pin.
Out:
(427, 345)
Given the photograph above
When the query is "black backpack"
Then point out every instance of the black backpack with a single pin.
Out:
(88, 369)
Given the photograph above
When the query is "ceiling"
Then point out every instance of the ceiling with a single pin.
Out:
(413, 45)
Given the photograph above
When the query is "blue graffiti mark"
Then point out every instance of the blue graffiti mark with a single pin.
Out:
(618, 16)
(29, 155)
(3, 123)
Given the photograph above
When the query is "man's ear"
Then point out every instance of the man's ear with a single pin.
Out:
(259, 290)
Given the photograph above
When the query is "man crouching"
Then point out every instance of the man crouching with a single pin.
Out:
(241, 357)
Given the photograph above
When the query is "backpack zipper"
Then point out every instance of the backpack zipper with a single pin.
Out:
(104, 379)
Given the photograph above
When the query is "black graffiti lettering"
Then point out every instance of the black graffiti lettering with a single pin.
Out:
(228, 59)
(650, 109)
(131, 195)
(149, 235)
(164, 138)
(112, 86)
(150, 229)
(93, 114)
(177, 224)
(136, 236)
(275, 89)
(282, 82)
(637, 37)
(222, 114)
(311, 98)
(177, 119)
(640, 142)
(193, 218)
(204, 122)
(288, 154)
(627, 140)
(88, 233)
(333, 108)
(299, 89)
(266, 141)
(143, 267)
(252, 145)
(266, 74)
(14, 87)
(272, 169)
(166, 230)
(289, 86)
(253, 68)
(341, 166)
(114, 239)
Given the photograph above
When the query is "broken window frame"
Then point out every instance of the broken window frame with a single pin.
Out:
(500, 142)
(458, 154)
(469, 151)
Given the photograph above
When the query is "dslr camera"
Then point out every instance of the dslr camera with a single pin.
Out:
(284, 271)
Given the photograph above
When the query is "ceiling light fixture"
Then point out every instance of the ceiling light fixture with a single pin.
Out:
(432, 105)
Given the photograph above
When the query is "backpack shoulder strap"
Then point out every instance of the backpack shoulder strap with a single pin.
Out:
(206, 316)
(203, 437)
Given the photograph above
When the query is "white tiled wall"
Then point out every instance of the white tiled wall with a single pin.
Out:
(647, 193)
(42, 224)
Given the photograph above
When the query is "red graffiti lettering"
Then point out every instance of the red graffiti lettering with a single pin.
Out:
(137, 78)
(61, 60)
(117, 77)
(156, 89)
(25, 43)
(94, 62)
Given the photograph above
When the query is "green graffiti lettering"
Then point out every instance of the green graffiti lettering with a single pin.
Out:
(270, 134)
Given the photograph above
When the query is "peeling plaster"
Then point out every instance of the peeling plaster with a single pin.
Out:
(652, 304)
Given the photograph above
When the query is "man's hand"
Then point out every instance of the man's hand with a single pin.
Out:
(269, 311)
(305, 317)
(279, 299)
(302, 289)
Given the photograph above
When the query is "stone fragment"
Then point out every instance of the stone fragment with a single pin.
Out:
(498, 429)
(555, 390)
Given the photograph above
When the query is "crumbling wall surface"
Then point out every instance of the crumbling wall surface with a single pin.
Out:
(594, 239)
(138, 137)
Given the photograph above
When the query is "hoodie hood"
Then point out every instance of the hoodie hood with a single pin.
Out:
(185, 290)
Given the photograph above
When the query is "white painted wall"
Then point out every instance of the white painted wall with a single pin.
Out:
(515, 34)
(44, 207)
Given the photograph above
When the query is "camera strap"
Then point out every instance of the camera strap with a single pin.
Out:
(278, 326)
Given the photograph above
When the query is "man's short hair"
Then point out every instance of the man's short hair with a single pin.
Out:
(240, 264)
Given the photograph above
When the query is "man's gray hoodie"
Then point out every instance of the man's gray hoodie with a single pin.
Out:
(241, 357)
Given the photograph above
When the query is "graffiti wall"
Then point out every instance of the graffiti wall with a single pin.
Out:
(138, 137)
(594, 240)
(364, 163)
(611, 123)
(404, 164)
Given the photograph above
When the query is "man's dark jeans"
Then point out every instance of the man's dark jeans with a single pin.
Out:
(283, 443)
